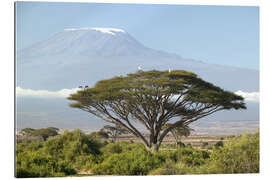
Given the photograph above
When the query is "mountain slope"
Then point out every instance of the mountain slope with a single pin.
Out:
(76, 57)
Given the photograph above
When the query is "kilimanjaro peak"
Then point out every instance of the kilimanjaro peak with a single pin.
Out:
(102, 42)
(111, 31)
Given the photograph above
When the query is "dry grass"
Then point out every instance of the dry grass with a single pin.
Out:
(196, 140)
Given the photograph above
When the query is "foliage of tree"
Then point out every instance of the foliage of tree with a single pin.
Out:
(153, 98)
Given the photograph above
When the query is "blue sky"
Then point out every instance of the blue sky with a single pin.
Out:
(214, 34)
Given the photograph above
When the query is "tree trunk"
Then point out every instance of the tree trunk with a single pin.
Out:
(154, 147)
(153, 144)
(175, 138)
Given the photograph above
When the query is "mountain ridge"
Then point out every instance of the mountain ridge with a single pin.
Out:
(83, 56)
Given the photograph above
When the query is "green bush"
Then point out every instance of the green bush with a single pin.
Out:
(185, 160)
(205, 144)
(180, 144)
(131, 161)
(167, 168)
(71, 144)
(98, 135)
(219, 144)
(85, 162)
(60, 156)
(192, 157)
(38, 164)
(120, 147)
(170, 168)
(74, 151)
(167, 155)
(113, 148)
(239, 155)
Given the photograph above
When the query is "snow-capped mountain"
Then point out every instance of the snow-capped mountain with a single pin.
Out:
(82, 56)
(101, 42)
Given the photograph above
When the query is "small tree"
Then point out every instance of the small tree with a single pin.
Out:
(98, 134)
(153, 98)
(178, 132)
(27, 130)
(45, 132)
(114, 131)
(103, 134)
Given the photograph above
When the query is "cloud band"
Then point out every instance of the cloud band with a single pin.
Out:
(63, 93)
(253, 96)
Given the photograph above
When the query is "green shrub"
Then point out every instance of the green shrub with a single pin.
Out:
(60, 156)
(192, 157)
(71, 144)
(205, 144)
(171, 168)
(74, 151)
(160, 171)
(240, 155)
(168, 168)
(180, 144)
(38, 164)
(98, 135)
(130, 162)
(219, 144)
(167, 155)
(85, 162)
(120, 147)
(185, 160)
(113, 148)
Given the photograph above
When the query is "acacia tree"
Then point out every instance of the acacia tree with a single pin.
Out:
(114, 131)
(99, 134)
(153, 98)
(179, 131)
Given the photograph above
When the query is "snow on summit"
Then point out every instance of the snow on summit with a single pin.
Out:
(103, 30)
(109, 30)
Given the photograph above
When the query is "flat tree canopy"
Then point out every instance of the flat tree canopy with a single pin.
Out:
(153, 98)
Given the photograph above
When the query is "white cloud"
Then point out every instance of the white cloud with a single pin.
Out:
(63, 93)
(252, 96)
